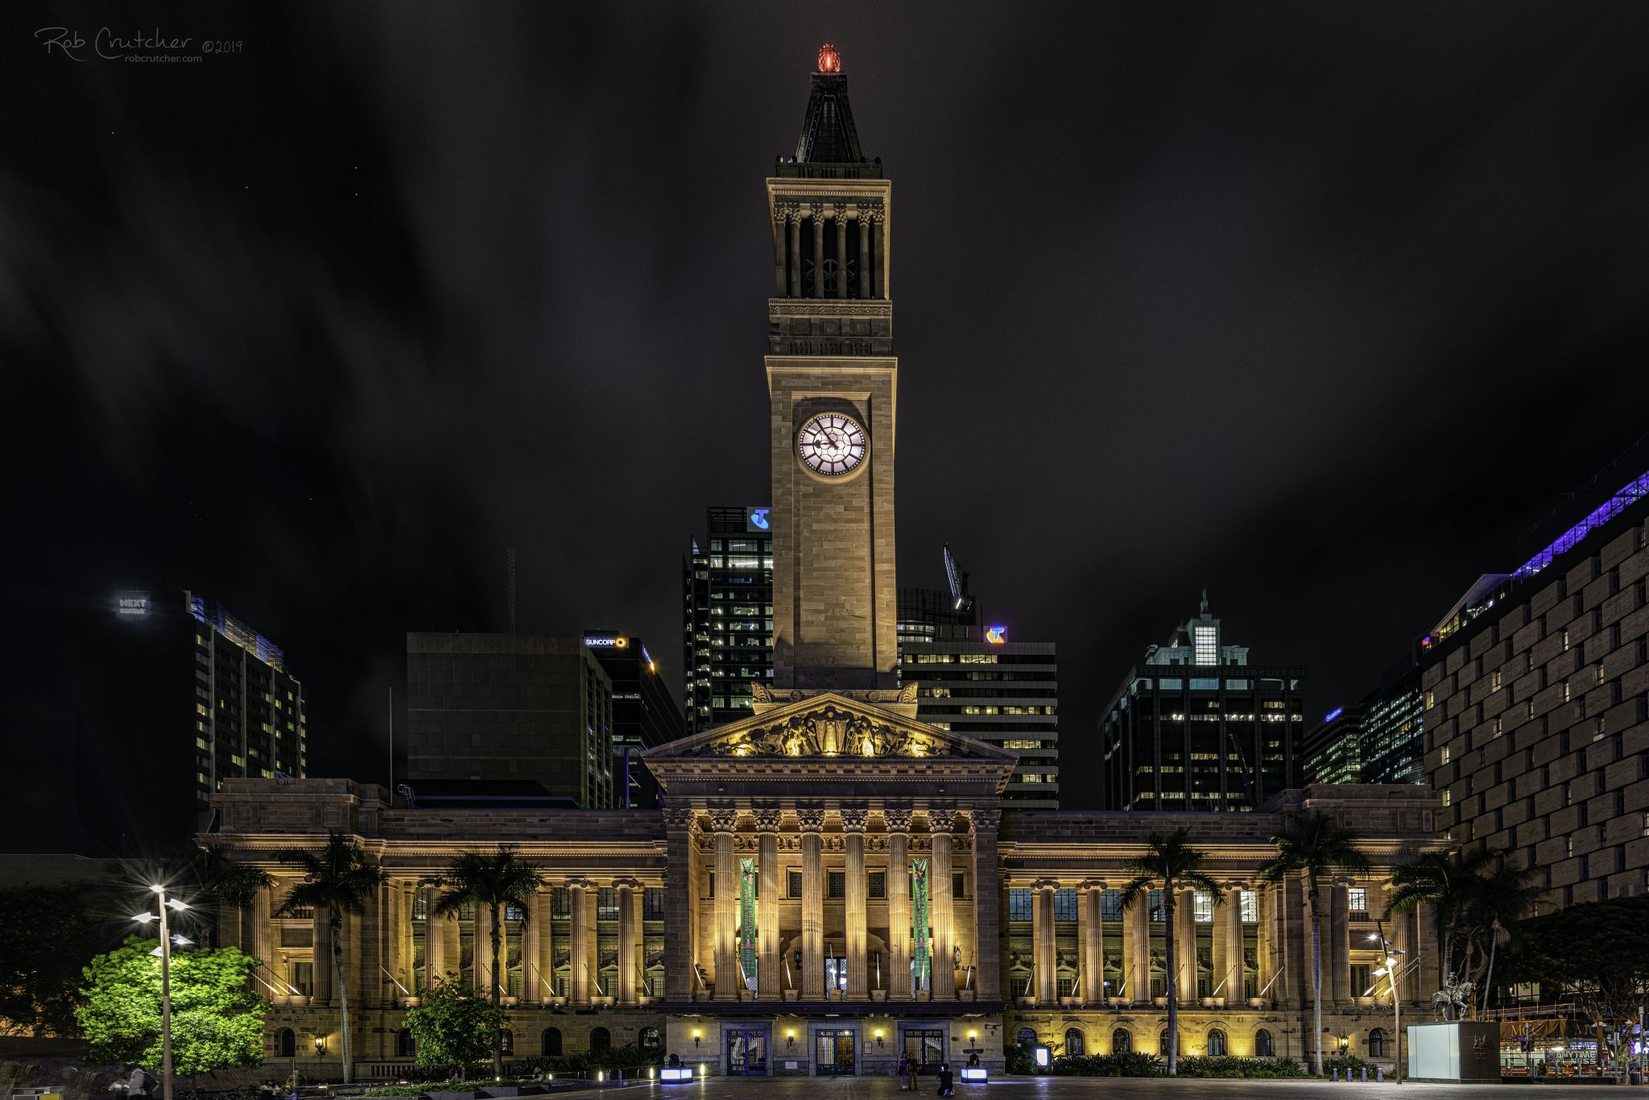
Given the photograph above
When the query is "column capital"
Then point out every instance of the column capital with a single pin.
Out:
(810, 819)
(767, 819)
(985, 820)
(578, 882)
(680, 817)
(627, 884)
(1045, 884)
(854, 818)
(723, 820)
(897, 818)
(1091, 884)
(940, 819)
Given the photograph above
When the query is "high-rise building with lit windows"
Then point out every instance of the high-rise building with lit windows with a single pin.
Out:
(978, 682)
(1197, 726)
(644, 712)
(727, 615)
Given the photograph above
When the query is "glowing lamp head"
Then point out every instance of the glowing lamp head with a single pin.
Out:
(829, 60)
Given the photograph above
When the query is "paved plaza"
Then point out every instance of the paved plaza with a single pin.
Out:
(1059, 1088)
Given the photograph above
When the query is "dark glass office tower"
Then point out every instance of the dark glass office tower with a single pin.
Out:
(727, 615)
(644, 712)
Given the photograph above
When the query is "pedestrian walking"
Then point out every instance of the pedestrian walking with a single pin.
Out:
(946, 1080)
(911, 1066)
(904, 1073)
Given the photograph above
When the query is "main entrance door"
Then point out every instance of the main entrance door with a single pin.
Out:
(833, 1052)
(925, 1047)
(747, 1052)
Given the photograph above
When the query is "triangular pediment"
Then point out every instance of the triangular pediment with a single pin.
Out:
(825, 726)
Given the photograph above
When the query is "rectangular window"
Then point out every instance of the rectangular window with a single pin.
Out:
(1202, 907)
(836, 884)
(876, 884)
(1359, 902)
(1110, 901)
(1361, 979)
(794, 883)
(652, 904)
(1065, 905)
(1207, 645)
(606, 903)
(1019, 904)
(1250, 907)
(958, 885)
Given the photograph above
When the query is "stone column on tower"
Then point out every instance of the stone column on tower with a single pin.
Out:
(1093, 942)
(898, 902)
(841, 252)
(1044, 948)
(578, 941)
(987, 906)
(780, 231)
(864, 253)
(818, 251)
(769, 966)
(811, 822)
(1339, 942)
(855, 910)
(728, 984)
(940, 822)
(625, 889)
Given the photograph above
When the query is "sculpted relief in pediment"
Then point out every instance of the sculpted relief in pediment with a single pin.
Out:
(830, 731)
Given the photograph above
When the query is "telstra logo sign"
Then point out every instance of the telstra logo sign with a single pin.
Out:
(996, 635)
(758, 518)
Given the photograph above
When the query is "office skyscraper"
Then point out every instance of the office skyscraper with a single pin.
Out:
(1196, 726)
(503, 708)
(727, 615)
(644, 712)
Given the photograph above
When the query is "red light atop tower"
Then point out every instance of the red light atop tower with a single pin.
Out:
(829, 60)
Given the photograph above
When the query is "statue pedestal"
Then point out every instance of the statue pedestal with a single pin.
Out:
(1456, 1051)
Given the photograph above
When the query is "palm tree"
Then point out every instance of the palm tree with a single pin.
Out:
(339, 879)
(1499, 900)
(231, 885)
(1314, 845)
(1446, 881)
(497, 880)
(1171, 861)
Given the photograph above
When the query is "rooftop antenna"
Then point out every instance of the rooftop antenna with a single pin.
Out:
(509, 572)
(960, 598)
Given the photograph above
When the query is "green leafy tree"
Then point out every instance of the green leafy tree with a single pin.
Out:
(338, 879)
(46, 936)
(1448, 882)
(453, 1029)
(217, 1022)
(1315, 846)
(1591, 954)
(1495, 910)
(1171, 861)
(493, 881)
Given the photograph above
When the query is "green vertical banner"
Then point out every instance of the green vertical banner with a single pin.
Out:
(921, 964)
(747, 918)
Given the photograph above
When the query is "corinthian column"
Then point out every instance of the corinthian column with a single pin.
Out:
(811, 822)
(727, 907)
(855, 910)
(769, 967)
(944, 931)
(898, 903)
(1093, 942)
(578, 943)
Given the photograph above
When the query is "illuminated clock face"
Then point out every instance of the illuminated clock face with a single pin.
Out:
(832, 445)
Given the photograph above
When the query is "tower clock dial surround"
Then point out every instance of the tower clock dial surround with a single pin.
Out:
(832, 445)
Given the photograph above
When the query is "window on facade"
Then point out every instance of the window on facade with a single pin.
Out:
(652, 904)
(1202, 907)
(1019, 904)
(1207, 643)
(1110, 901)
(286, 1043)
(1216, 1043)
(648, 1039)
(1073, 1042)
(876, 884)
(1362, 981)
(405, 1045)
(1122, 1041)
(958, 885)
(1358, 897)
(600, 1039)
(1263, 1047)
(507, 1040)
(1377, 1043)
(552, 1042)
(1065, 905)
(836, 884)
(1250, 902)
(606, 904)
(1026, 1037)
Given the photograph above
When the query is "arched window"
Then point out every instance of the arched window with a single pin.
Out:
(1027, 1037)
(509, 1041)
(1216, 1043)
(1263, 1047)
(600, 1040)
(649, 1039)
(1073, 1042)
(1377, 1043)
(1122, 1041)
(405, 1045)
(286, 1043)
(1162, 1043)
(552, 1042)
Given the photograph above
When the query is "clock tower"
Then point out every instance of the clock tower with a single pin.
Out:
(831, 380)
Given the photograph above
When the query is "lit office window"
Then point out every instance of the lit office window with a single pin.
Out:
(1250, 907)
(1207, 645)
(1202, 908)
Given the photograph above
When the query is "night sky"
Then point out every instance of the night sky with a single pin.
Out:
(1321, 307)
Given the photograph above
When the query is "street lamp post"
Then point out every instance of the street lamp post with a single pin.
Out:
(163, 903)
(1389, 954)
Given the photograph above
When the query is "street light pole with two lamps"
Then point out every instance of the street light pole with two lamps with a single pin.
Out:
(163, 903)
(1390, 963)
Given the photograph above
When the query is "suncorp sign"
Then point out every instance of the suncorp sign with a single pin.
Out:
(606, 641)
